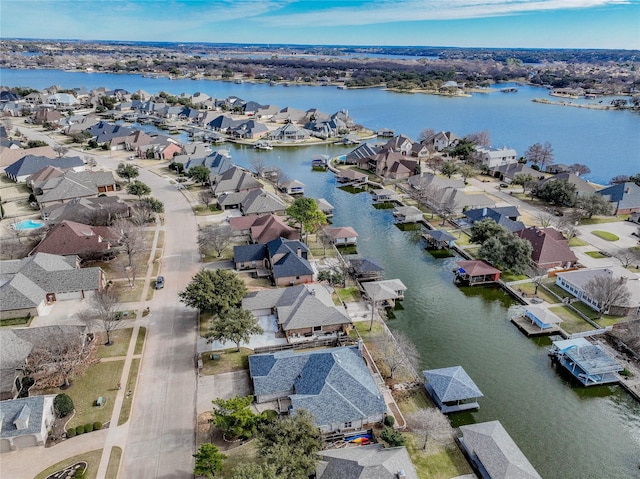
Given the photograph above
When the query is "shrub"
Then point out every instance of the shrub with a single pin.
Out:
(389, 421)
(79, 430)
(97, 426)
(71, 432)
(88, 427)
(63, 405)
(391, 437)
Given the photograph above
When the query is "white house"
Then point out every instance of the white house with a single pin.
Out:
(495, 157)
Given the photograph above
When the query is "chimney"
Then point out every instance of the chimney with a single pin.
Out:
(299, 252)
(484, 211)
(401, 474)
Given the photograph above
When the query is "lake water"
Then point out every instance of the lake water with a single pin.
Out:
(566, 431)
(606, 141)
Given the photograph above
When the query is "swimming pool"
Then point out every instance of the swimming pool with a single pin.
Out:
(28, 225)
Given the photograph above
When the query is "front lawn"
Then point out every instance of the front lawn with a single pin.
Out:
(92, 458)
(227, 361)
(125, 411)
(596, 220)
(120, 339)
(595, 254)
(509, 276)
(605, 235)
(142, 332)
(575, 241)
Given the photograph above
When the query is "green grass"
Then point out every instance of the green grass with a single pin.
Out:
(15, 322)
(228, 360)
(558, 290)
(125, 411)
(114, 463)
(605, 235)
(204, 323)
(120, 339)
(606, 320)
(595, 254)
(363, 328)
(348, 295)
(472, 251)
(142, 333)
(100, 380)
(92, 458)
(447, 462)
(575, 241)
(351, 249)
(529, 289)
(247, 453)
(596, 220)
(571, 321)
(509, 276)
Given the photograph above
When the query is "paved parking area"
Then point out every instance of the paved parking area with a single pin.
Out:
(223, 386)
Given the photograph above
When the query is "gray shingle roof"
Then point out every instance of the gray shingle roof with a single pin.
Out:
(365, 462)
(29, 164)
(452, 384)
(497, 452)
(249, 252)
(32, 407)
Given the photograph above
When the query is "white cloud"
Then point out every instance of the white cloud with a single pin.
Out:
(387, 11)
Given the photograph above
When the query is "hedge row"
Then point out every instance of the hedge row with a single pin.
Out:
(76, 431)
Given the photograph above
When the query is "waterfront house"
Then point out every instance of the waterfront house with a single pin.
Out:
(218, 162)
(456, 201)
(583, 187)
(234, 179)
(289, 115)
(365, 269)
(407, 214)
(292, 187)
(441, 141)
(361, 155)
(549, 248)
(505, 216)
(252, 202)
(439, 239)
(302, 312)
(452, 389)
(262, 229)
(342, 235)
(508, 172)
(25, 422)
(392, 165)
(587, 362)
(492, 158)
(625, 197)
(493, 453)
(472, 272)
(399, 144)
(384, 292)
(353, 178)
(72, 238)
(248, 130)
(26, 166)
(431, 184)
(575, 283)
(372, 461)
(334, 385)
(31, 283)
(288, 133)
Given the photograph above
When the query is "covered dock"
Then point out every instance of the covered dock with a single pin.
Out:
(385, 292)
(365, 269)
(537, 321)
(384, 195)
(587, 362)
(407, 214)
(474, 272)
(353, 178)
(452, 389)
(439, 239)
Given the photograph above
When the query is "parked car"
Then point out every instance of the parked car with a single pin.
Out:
(160, 282)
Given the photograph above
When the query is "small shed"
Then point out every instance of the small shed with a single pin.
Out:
(542, 317)
(587, 362)
(407, 214)
(439, 239)
(474, 272)
(452, 389)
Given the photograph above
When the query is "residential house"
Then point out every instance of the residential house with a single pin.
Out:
(575, 283)
(218, 162)
(384, 292)
(26, 166)
(399, 144)
(31, 283)
(46, 114)
(334, 385)
(342, 235)
(452, 389)
(104, 132)
(583, 187)
(162, 148)
(493, 453)
(505, 216)
(392, 165)
(509, 171)
(549, 248)
(261, 202)
(472, 272)
(432, 182)
(456, 201)
(73, 185)
(62, 100)
(262, 229)
(372, 461)
(248, 130)
(441, 141)
(288, 133)
(289, 115)
(71, 238)
(557, 168)
(365, 269)
(286, 260)
(299, 312)
(625, 197)
(292, 187)
(25, 422)
(492, 158)
(233, 179)
(266, 112)
(98, 211)
(9, 155)
(40, 177)
(361, 155)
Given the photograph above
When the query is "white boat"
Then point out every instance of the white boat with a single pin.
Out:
(263, 145)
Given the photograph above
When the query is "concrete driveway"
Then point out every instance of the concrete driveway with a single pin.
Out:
(223, 386)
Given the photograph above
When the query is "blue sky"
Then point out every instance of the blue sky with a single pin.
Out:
(465, 23)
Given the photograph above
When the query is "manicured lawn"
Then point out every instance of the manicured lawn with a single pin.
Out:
(100, 380)
(211, 256)
(439, 462)
(595, 254)
(125, 411)
(247, 453)
(558, 290)
(120, 339)
(348, 295)
(92, 458)
(508, 276)
(605, 321)
(114, 463)
(142, 333)
(529, 289)
(575, 241)
(596, 220)
(228, 360)
(605, 235)
(571, 321)
(126, 294)
(363, 328)
(473, 251)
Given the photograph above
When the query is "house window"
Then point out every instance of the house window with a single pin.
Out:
(347, 425)
(317, 328)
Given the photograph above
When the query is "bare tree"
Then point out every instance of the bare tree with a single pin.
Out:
(426, 134)
(433, 424)
(278, 177)
(257, 165)
(607, 291)
(537, 275)
(60, 150)
(480, 138)
(434, 162)
(540, 154)
(579, 169)
(130, 272)
(397, 352)
(215, 237)
(131, 240)
(568, 224)
(103, 311)
(627, 256)
(544, 219)
(206, 197)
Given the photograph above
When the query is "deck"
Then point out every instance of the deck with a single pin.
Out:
(532, 330)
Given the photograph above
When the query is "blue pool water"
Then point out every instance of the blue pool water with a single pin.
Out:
(28, 225)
